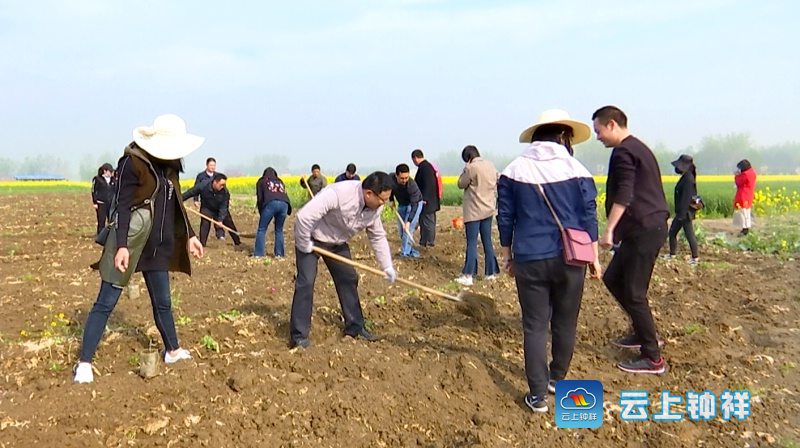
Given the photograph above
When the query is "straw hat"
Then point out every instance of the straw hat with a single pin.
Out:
(167, 138)
(580, 131)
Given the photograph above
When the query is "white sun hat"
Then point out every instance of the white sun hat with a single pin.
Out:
(580, 131)
(167, 138)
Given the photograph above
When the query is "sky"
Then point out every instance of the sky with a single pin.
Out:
(368, 81)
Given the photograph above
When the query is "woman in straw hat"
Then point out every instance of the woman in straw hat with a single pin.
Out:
(550, 290)
(151, 235)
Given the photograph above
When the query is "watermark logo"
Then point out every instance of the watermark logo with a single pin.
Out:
(579, 404)
(699, 406)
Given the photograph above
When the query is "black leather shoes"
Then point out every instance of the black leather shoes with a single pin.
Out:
(302, 343)
(366, 335)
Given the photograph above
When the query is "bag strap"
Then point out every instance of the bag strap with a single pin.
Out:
(541, 190)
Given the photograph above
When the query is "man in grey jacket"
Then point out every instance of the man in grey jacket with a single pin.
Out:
(328, 221)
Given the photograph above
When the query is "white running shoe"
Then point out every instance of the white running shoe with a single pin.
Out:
(84, 374)
(464, 280)
(182, 354)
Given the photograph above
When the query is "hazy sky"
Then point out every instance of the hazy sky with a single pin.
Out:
(335, 81)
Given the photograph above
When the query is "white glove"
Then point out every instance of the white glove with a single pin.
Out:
(391, 275)
(306, 249)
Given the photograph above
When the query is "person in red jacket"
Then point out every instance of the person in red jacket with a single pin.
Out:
(745, 178)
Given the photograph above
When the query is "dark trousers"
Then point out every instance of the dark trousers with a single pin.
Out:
(688, 230)
(427, 229)
(205, 226)
(102, 215)
(627, 277)
(158, 286)
(345, 279)
(550, 292)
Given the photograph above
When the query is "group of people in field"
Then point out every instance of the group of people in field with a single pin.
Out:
(544, 201)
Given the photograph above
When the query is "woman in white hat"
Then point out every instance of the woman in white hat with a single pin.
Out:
(151, 234)
(550, 290)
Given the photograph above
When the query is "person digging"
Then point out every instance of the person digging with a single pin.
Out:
(214, 200)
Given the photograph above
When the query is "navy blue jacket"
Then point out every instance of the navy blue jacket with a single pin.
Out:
(523, 218)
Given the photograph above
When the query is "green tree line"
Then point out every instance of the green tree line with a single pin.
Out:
(715, 154)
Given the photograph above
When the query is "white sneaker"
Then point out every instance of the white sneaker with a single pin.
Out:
(182, 354)
(84, 374)
(464, 280)
(490, 277)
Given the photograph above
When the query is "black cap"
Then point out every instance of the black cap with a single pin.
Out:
(106, 166)
(684, 160)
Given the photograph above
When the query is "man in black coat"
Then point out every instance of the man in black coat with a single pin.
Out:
(203, 177)
(429, 185)
(214, 199)
(637, 228)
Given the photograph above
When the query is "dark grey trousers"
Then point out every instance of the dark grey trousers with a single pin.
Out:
(345, 279)
(427, 229)
(550, 293)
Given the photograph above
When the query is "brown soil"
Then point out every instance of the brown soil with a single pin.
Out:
(442, 377)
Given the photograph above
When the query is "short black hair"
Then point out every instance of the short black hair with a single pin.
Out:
(402, 168)
(314, 167)
(417, 154)
(210, 159)
(469, 152)
(377, 182)
(608, 113)
(219, 176)
(351, 168)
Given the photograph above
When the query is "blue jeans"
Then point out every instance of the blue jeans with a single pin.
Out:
(272, 209)
(405, 212)
(473, 228)
(157, 283)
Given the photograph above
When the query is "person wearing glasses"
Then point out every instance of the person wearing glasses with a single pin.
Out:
(329, 221)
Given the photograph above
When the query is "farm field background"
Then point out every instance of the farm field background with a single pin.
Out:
(775, 195)
(441, 377)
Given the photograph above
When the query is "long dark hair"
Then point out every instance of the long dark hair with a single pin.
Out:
(743, 165)
(270, 173)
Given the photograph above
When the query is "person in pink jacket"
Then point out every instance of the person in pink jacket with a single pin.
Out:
(745, 178)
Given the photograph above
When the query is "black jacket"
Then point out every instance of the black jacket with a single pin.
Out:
(685, 190)
(429, 186)
(407, 194)
(215, 201)
(268, 190)
(102, 191)
(201, 178)
(634, 180)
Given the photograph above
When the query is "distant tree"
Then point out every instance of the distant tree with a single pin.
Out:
(719, 154)
(91, 162)
(256, 165)
(43, 164)
(7, 168)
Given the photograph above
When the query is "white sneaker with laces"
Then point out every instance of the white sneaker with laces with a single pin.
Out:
(464, 280)
(84, 374)
(182, 354)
